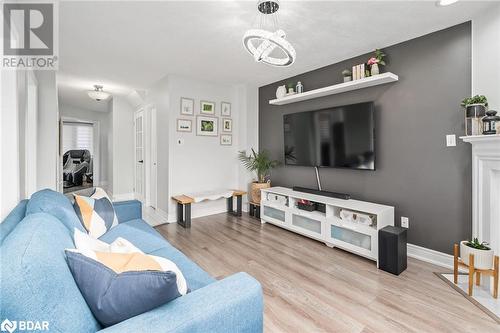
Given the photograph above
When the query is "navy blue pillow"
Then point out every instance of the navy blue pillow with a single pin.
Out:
(114, 297)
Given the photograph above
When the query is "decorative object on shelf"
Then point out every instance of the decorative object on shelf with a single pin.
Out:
(375, 61)
(268, 41)
(226, 139)
(206, 126)
(184, 125)
(187, 106)
(479, 259)
(262, 165)
(358, 72)
(281, 92)
(207, 107)
(475, 109)
(347, 75)
(227, 125)
(98, 94)
(290, 89)
(490, 122)
(306, 205)
(276, 198)
(354, 217)
(225, 109)
(299, 88)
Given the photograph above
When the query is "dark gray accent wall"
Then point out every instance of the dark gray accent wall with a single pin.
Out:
(425, 180)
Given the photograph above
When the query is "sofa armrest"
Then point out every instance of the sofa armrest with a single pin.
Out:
(233, 304)
(128, 210)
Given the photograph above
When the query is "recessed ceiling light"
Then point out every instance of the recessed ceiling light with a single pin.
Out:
(445, 2)
(98, 94)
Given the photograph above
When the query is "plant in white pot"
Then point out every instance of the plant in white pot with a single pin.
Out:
(261, 164)
(483, 254)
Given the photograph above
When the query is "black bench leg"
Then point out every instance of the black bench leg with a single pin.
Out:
(184, 215)
(251, 210)
(238, 205)
(230, 204)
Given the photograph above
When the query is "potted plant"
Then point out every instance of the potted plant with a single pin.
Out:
(483, 254)
(475, 109)
(347, 75)
(375, 61)
(261, 164)
(290, 88)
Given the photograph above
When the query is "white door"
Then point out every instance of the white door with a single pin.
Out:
(139, 156)
(150, 162)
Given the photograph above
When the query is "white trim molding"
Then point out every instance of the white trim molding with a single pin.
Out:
(123, 196)
(431, 256)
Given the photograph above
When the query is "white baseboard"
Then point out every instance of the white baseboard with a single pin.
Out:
(123, 197)
(431, 256)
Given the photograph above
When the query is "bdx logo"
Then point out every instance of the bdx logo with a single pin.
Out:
(36, 21)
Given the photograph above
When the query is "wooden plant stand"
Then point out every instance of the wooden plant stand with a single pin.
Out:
(457, 262)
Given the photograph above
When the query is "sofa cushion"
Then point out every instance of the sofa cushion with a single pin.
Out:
(36, 282)
(12, 220)
(95, 212)
(150, 241)
(138, 233)
(55, 204)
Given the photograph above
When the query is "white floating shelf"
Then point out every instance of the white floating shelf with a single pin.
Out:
(338, 88)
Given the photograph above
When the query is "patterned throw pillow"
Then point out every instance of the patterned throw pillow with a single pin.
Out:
(118, 281)
(95, 212)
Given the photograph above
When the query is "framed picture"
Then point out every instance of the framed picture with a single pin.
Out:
(207, 126)
(184, 125)
(226, 139)
(207, 107)
(225, 109)
(227, 125)
(187, 106)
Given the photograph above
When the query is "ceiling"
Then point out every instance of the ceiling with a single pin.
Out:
(130, 45)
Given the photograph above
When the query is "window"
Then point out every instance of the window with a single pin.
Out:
(78, 136)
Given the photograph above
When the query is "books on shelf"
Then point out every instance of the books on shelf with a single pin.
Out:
(358, 72)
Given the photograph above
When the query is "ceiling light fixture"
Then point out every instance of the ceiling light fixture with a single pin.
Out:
(445, 2)
(266, 46)
(98, 94)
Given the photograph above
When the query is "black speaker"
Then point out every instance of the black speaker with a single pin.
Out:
(392, 249)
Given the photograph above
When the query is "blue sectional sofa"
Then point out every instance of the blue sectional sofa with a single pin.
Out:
(37, 285)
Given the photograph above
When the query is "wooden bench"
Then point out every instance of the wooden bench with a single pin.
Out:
(184, 202)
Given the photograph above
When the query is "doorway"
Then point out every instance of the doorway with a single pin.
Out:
(80, 155)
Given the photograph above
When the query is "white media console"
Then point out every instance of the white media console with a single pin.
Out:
(279, 207)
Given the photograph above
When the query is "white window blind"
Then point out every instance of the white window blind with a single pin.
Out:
(78, 136)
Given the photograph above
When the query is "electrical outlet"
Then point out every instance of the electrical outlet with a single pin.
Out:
(451, 140)
(405, 222)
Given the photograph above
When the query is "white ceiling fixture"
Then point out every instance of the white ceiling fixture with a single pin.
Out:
(98, 94)
(446, 2)
(269, 47)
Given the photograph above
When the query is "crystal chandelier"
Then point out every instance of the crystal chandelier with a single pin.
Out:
(265, 46)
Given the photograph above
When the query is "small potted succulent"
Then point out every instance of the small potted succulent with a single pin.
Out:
(375, 61)
(475, 109)
(290, 89)
(483, 254)
(261, 163)
(347, 74)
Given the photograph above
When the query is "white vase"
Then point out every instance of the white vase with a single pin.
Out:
(483, 259)
(374, 70)
(281, 92)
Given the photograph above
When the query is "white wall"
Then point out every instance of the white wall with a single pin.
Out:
(123, 149)
(9, 135)
(102, 118)
(486, 56)
(48, 130)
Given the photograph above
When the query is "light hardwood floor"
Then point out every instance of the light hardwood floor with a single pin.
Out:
(309, 287)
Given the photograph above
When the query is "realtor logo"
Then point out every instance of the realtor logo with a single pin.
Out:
(29, 35)
(8, 326)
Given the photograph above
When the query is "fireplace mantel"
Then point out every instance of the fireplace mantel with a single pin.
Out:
(486, 188)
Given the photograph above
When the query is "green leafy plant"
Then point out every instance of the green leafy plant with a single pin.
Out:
(476, 245)
(290, 85)
(260, 162)
(378, 58)
(478, 99)
(346, 72)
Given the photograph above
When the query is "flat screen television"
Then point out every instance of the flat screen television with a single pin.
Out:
(338, 137)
